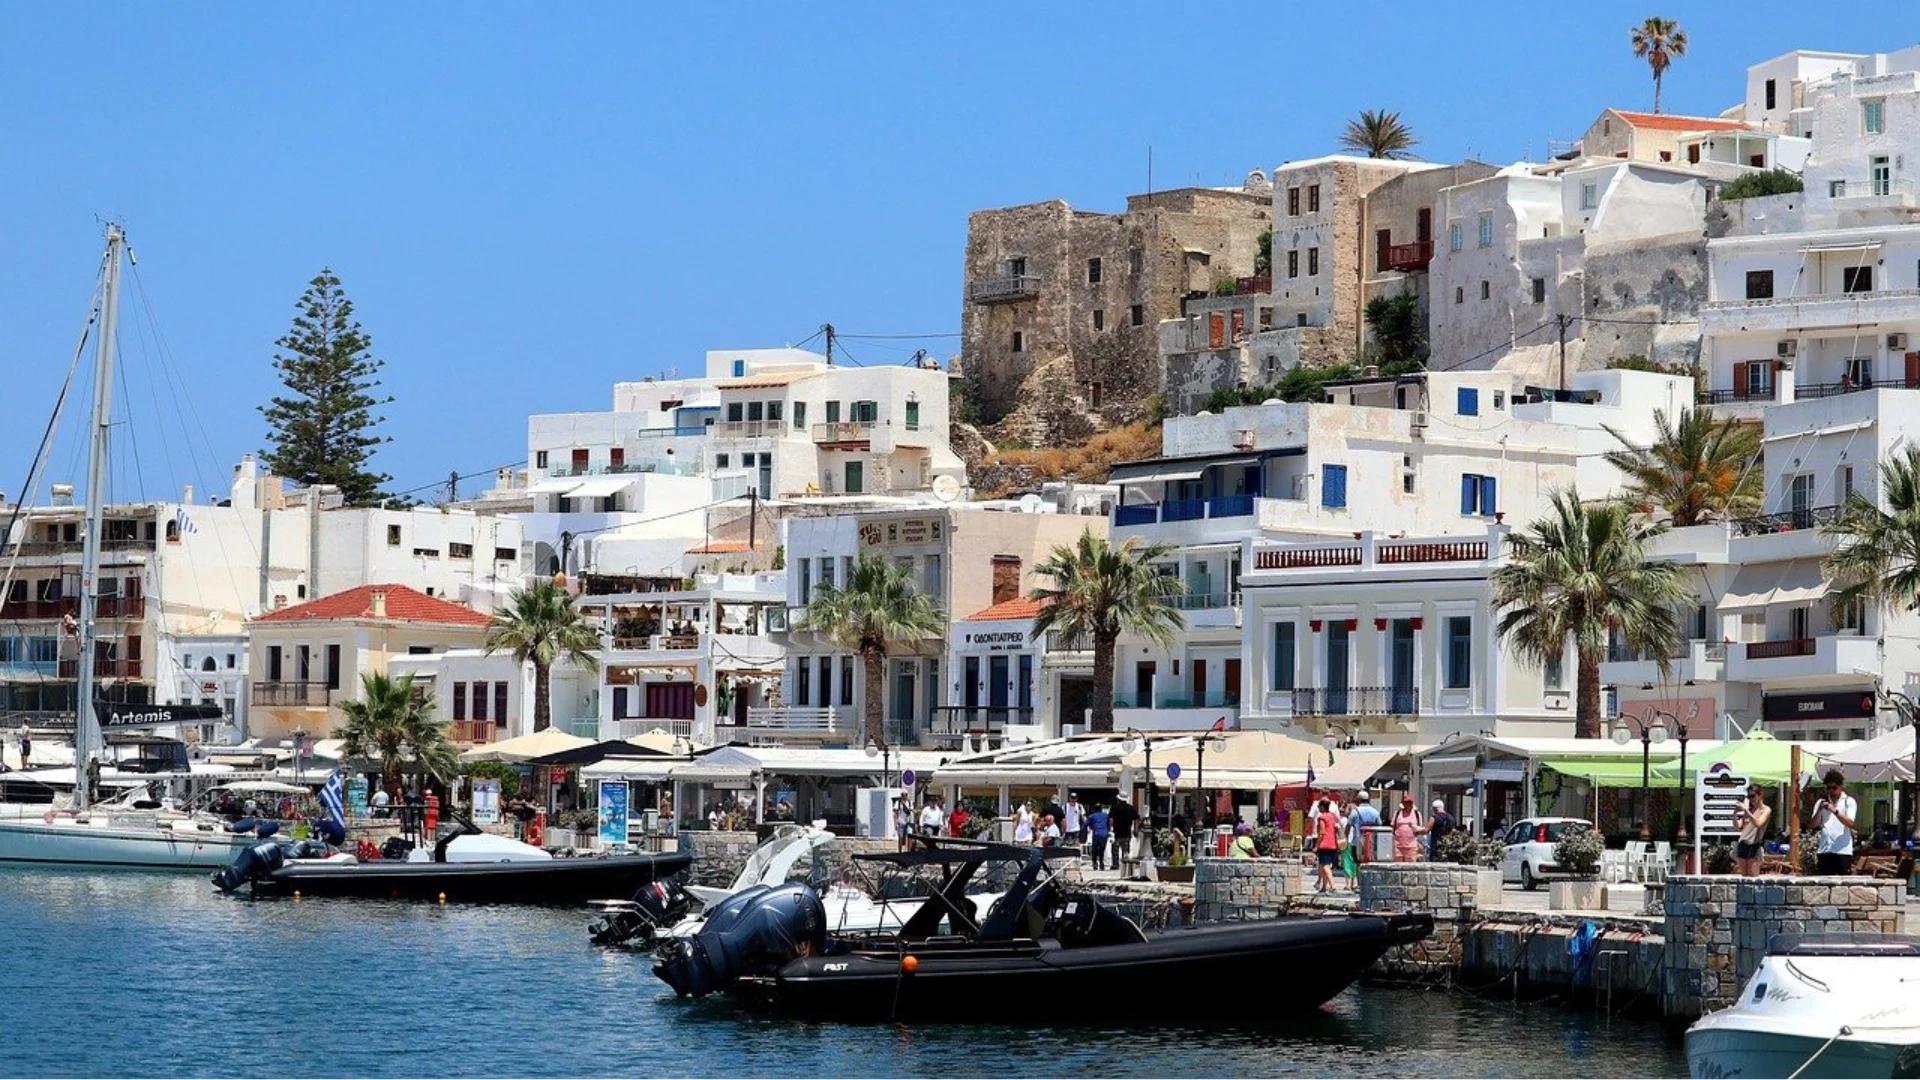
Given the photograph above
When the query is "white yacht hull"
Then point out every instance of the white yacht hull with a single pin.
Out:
(157, 846)
(1844, 1007)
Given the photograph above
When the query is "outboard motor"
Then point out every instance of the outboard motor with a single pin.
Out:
(251, 865)
(396, 847)
(654, 908)
(760, 927)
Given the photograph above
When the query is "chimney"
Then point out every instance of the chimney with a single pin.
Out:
(187, 496)
(379, 603)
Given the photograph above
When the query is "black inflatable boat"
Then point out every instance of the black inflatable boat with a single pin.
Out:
(768, 946)
(463, 867)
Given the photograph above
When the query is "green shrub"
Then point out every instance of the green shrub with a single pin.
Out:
(1774, 181)
(1720, 857)
(1578, 851)
(1460, 846)
(1266, 840)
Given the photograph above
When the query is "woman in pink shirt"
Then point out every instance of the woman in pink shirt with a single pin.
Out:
(1326, 843)
(1407, 828)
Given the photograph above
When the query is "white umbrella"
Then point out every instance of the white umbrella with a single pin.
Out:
(1889, 757)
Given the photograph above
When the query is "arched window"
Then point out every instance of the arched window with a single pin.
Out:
(207, 664)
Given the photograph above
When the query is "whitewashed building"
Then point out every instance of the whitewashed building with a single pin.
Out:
(1398, 488)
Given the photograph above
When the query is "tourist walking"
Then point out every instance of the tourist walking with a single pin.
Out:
(1407, 828)
(1099, 826)
(1326, 844)
(1752, 817)
(1075, 820)
(1439, 826)
(901, 821)
(1834, 816)
(1364, 817)
(1023, 824)
(1121, 822)
(26, 750)
(932, 819)
(957, 821)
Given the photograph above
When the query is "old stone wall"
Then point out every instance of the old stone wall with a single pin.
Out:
(1454, 894)
(1644, 298)
(718, 856)
(1717, 928)
(1241, 888)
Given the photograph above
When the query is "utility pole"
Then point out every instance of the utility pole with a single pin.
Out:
(753, 522)
(1563, 319)
(827, 329)
(453, 486)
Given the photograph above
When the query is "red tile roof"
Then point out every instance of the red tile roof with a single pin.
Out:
(403, 605)
(1669, 122)
(1017, 608)
(722, 547)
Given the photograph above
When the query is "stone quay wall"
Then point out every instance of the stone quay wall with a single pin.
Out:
(1242, 888)
(1717, 928)
(1455, 895)
(718, 855)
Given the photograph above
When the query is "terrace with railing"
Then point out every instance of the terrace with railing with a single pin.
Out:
(301, 693)
(1003, 288)
(1370, 550)
(1800, 520)
(1356, 701)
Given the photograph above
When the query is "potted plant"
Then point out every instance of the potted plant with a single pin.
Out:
(1176, 866)
(1578, 855)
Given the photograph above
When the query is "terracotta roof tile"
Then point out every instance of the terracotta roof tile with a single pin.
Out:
(1017, 608)
(722, 547)
(1669, 122)
(403, 605)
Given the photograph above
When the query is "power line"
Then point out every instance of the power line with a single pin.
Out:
(893, 337)
(460, 476)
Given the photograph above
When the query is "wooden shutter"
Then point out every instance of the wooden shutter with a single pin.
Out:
(1216, 330)
(1913, 369)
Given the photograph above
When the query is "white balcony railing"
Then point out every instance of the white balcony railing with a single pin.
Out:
(801, 720)
(631, 728)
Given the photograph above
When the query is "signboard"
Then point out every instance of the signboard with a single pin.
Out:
(557, 774)
(486, 801)
(888, 531)
(114, 714)
(613, 811)
(357, 796)
(1832, 705)
(1698, 713)
(1717, 794)
(1173, 770)
(997, 640)
(907, 778)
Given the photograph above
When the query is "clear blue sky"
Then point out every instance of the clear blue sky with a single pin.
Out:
(528, 203)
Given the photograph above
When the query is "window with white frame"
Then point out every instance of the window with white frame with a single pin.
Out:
(1486, 228)
(1873, 117)
(1589, 196)
(1454, 233)
(1459, 659)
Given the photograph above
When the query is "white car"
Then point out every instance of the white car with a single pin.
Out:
(1529, 855)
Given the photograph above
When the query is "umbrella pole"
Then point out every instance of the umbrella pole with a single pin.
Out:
(1793, 813)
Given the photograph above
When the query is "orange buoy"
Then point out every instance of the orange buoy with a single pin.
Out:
(296, 896)
(910, 964)
(443, 898)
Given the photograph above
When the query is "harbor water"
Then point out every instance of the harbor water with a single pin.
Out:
(156, 975)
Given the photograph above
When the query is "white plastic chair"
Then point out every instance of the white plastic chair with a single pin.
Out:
(1662, 862)
(1613, 865)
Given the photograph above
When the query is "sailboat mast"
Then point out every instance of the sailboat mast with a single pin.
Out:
(98, 429)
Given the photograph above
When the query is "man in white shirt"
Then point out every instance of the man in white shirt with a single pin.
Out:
(1834, 816)
(933, 820)
(1076, 818)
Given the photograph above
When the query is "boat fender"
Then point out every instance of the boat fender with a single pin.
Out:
(1581, 945)
(756, 928)
(252, 864)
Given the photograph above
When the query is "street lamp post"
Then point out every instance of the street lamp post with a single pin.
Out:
(883, 750)
(1126, 747)
(1651, 731)
(1216, 732)
(1909, 712)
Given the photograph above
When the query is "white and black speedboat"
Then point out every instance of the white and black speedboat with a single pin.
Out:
(1819, 1005)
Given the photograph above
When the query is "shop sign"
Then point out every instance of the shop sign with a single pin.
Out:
(888, 531)
(996, 640)
(1832, 705)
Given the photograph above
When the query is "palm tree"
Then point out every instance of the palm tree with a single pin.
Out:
(540, 626)
(1698, 469)
(1877, 560)
(879, 603)
(1379, 134)
(1662, 42)
(1100, 591)
(1582, 573)
(391, 724)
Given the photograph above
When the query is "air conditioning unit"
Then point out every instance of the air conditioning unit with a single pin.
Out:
(1896, 343)
(1418, 420)
(1243, 439)
(1787, 348)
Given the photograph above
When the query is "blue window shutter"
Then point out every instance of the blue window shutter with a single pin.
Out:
(1469, 401)
(1469, 493)
(1488, 492)
(739, 368)
(1333, 489)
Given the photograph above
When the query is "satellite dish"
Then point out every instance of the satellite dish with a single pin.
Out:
(1030, 503)
(946, 488)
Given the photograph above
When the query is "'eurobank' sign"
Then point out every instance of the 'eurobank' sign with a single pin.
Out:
(1832, 705)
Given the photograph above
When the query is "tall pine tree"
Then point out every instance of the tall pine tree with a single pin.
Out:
(323, 429)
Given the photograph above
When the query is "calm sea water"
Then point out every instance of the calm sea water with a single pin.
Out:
(151, 975)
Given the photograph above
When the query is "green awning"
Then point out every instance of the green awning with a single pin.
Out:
(1611, 772)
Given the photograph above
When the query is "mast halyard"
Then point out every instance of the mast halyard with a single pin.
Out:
(84, 717)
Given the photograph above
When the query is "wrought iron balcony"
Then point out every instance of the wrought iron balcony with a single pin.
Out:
(297, 693)
(1356, 701)
(1810, 517)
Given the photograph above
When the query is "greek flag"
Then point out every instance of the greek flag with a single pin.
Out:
(181, 522)
(330, 797)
